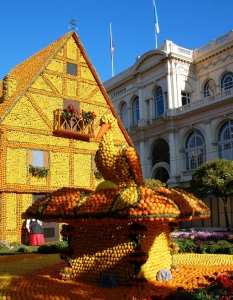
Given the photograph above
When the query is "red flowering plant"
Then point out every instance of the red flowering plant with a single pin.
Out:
(70, 112)
(88, 116)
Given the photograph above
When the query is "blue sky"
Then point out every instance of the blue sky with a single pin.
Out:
(27, 26)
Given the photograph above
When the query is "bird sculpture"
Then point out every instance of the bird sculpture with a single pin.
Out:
(119, 165)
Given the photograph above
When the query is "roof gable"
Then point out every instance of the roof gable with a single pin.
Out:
(23, 76)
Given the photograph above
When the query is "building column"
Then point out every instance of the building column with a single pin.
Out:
(169, 96)
(151, 110)
(129, 118)
(142, 121)
(175, 95)
(196, 95)
(143, 155)
(208, 144)
(173, 180)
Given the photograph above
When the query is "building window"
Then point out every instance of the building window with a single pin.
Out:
(71, 69)
(38, 158)
(225, 141)
(124, 114)
(158, 99)
(135, 110)
(227, 81)
(195, 150)
(209, 88)
(185, 98)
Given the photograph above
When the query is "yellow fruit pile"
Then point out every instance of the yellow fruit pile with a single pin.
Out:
(99, 250)
(156, 245)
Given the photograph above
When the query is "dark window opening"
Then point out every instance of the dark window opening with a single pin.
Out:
(71, 69)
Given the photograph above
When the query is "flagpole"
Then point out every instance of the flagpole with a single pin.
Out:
(156, 40)
(156, 20)
(112, 49)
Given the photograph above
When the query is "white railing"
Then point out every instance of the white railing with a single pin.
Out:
(205, 101)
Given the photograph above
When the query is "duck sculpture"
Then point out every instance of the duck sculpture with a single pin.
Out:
(119, 165)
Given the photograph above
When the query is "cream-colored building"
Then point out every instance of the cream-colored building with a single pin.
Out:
(177, 106)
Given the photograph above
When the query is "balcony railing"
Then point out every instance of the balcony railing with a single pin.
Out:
(73, 127)
(223, 95)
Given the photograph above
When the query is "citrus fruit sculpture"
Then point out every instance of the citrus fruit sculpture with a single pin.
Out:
(122, 230)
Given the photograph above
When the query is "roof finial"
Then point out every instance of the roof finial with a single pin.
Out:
(73, 25)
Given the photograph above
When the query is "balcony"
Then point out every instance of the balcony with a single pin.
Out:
(75, 128)
(218, 97)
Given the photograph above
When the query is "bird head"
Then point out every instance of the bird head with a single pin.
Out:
(107, 122)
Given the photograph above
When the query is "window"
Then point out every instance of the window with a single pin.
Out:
(71, 69)
(227, 81)
(135, 111)
(209, 88)
(185, 98)
(158, 99)
(38, 158)
(225, 141)
(195, 150)
(124, 114)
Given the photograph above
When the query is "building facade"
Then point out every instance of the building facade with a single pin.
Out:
(177, 106)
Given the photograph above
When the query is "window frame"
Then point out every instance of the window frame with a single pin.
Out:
(30, 160)
(158, 99)
(69, 70)
(209, 88)
(223, 85)
(124, 115)
(135, 111)
(194, 150)
(225, 145)
(187, 97)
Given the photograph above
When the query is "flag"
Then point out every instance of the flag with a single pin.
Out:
(156, 18)
(111, 42)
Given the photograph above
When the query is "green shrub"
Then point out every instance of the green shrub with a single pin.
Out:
(27, 249)
(3, 247)
(16, 244)
(44, 249)
(224, 247)
(187, 246)
(20, 249)
(52, 247)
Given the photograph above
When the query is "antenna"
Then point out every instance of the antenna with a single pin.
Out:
(73, 25)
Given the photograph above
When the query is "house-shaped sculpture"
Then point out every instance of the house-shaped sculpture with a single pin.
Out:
(43, 149)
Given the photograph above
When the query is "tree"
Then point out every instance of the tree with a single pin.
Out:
(214, 178)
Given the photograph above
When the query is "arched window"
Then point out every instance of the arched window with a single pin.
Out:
(225, 141)
(209, 88)
(124, 114)
(195, 150)
(227, 81)
(158, 99)
(135, 111)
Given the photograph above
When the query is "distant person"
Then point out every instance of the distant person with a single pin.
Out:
(35, 232)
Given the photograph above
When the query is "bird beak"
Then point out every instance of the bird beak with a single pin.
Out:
(103, 129)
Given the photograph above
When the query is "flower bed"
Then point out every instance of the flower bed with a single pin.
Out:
(203, 242)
